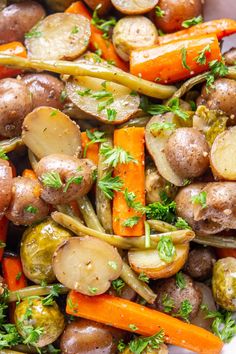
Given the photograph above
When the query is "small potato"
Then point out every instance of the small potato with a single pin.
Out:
(149, 262)
(125, 293)
(26, 206)
(187, 152)
(200, 263)
(15, 104)
(75, 178)
(220, 204)
(175, 13)
(17, 19)
(131, 33)
(230, 57)
(5, 186)
(134, 7)
(45, 90)
(220, 97)
(104, 8)
(87, 265)
(89, 337)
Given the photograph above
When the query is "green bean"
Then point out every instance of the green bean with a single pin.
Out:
(10, 351)
(11, 144)
(135, 122)
(216, 241)
(108, 72)
(88, 213)
(34, 290)
(161, 226)
(23, 348)
(179, 236)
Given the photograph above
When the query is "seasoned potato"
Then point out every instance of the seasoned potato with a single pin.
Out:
(222, 97)
(17, 19)
(105, 6)
(15, 104)
(185, 209)
(131, 33)
(87, 265)
(134, 7)
(220, 204)
(187, 152)
(175, 13)
(5, 186)
(200, 263)
(230, 57)
(61, 36)
(45, 90)
(222, 151)
(149, 262)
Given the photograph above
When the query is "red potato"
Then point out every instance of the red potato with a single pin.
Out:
(134, 7)
(5, 185)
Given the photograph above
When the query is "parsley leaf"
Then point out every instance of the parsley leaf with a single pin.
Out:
(9, 336)
(73, 179)
(50, 298)
(201, 58)
(3, 155)
(184, 58)
(192, 21)
(109, 184)
(105, 25)
(143, 277)
(180, 281)
(185, 310)
(98, 95)
(52, 179)
(147, 234)
(166, 249)
(182, 224)
(118, 285)
(218, 69)
(131, 222)
(85, 92)
(159, 12)
(130, 199)
(139, 344)
(92, 290)
(33, 34)
(111, 114)
(200, 199)
(160, 211)
(133, 327)
(121, 345)
(158, 128)
(94, 137)
(116, 155)
(168, 303)
(31, 209)
(75, 30)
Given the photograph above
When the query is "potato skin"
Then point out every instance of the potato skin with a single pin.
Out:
(18, 19)
(15, 104)
(5, 186)
(45, 89)
(89, 337)
(222, 96)
(200, 263)
(177, 11)
(106, 6)
(230, 57)
(169, 288)
(187, 152)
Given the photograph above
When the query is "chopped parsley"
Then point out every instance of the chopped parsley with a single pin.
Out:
(95, 136)
(185, 310)
(157, 128)
(167, 303)
(33, 34)
(181, 224)
(50, 298)
(93, 291)
(201, 58)
(75, 30)
(218, 69)
(180, 280)
(143, 277)
(116, 155)
(130, 198)
(133, 327)
(71, 180)
(18, 276)
(192, 21)
(118, 285)
(31, 209)
(111, 114)
(3, 155)
(109, 184)
(166, 249)
(52, 179)
(161, 211)
(200, 199)
(140, 344)
(159, 12)
(131, 222)
(104, 25)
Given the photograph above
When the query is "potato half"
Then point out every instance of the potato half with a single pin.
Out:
(59, 36)
(106, 101)
(134, 7)
(48, 131)
(87, 265)
(222, 156)
(149, 262)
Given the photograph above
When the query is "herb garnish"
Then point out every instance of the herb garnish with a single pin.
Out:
(116, 155)
(192, 21)
(109, 184)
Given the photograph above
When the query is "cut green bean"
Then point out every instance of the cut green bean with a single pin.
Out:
(9, 145)
(161, 226)
(88, 213)
(216, 241)
(104, 72)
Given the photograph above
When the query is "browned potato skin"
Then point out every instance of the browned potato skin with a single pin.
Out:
(230, 57)
(190, 292)
(45, 90)
(67, 167)
(177, 11)
(185, 209)
(26, 192)
(187, 152)
(200, 263)
(222, 96)
(5, 185)
(15, 104)
(18, 19)
(88, 337)
(220, 204)
(106, 6)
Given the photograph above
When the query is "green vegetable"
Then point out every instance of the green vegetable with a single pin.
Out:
(75, 180)
(116, 155)
(192, 22)
(147, 235)
(166, 249)
(52, 179)
(133, 327)
(111, 114)
(218, 69)
(104, 25)
(118, 285)
(94, 137)
(109, 184)
(33, 34)
(31, 209)
(185, 310)
(3, 155)
(161, 211)
(180, 281)
(159, 12)
(184, 58)
(168, 303)
(139, 344)
(200, 199)
(130, 198)
(131, 222)
(201, 58)
(158, 128)
(50, 298)
(182, 224)
(143, 277)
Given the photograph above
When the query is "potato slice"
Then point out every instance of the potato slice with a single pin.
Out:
(133, 32)
(59, 36)
(48, 131)
(156, 148)
(106, 101)
(87, 265)
(222, 156)
(134, 7)
(149, 262)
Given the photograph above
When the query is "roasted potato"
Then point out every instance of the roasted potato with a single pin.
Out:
(230, 57)
(134, 7)
(87, 265)
(200, 263)
(6, 182)
(131, 33)
(187, 152)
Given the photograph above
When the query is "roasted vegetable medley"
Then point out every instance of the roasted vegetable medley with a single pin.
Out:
(117, 177)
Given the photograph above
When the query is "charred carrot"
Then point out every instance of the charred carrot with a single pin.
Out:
(175, 61)
(130, 316)
(220, 28)
(132, 175)
(29, 174)
(13, 272)
(90, 151)
(97, 42)
(3, 235)
(13, 48)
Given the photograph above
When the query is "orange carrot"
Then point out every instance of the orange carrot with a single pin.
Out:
(92, 151)
(226, 252)
(13, 272)
(221, 28)
(127, 315)
(133, 176)
(174, 61)
(3, 234)
(13, 48)
(29, 174)
(96, 40)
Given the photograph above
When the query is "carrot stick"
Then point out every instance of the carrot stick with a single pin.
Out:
(221, 28)
(133, 176)
(13, 272)
(96, 40)
(92, 150)
(127, 315)
(13, 48)
(174, 61)
(29, 174)
(3, 234)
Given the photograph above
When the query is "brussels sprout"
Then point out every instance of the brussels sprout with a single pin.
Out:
(38, 244)
(38, 324)
(224, 283)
